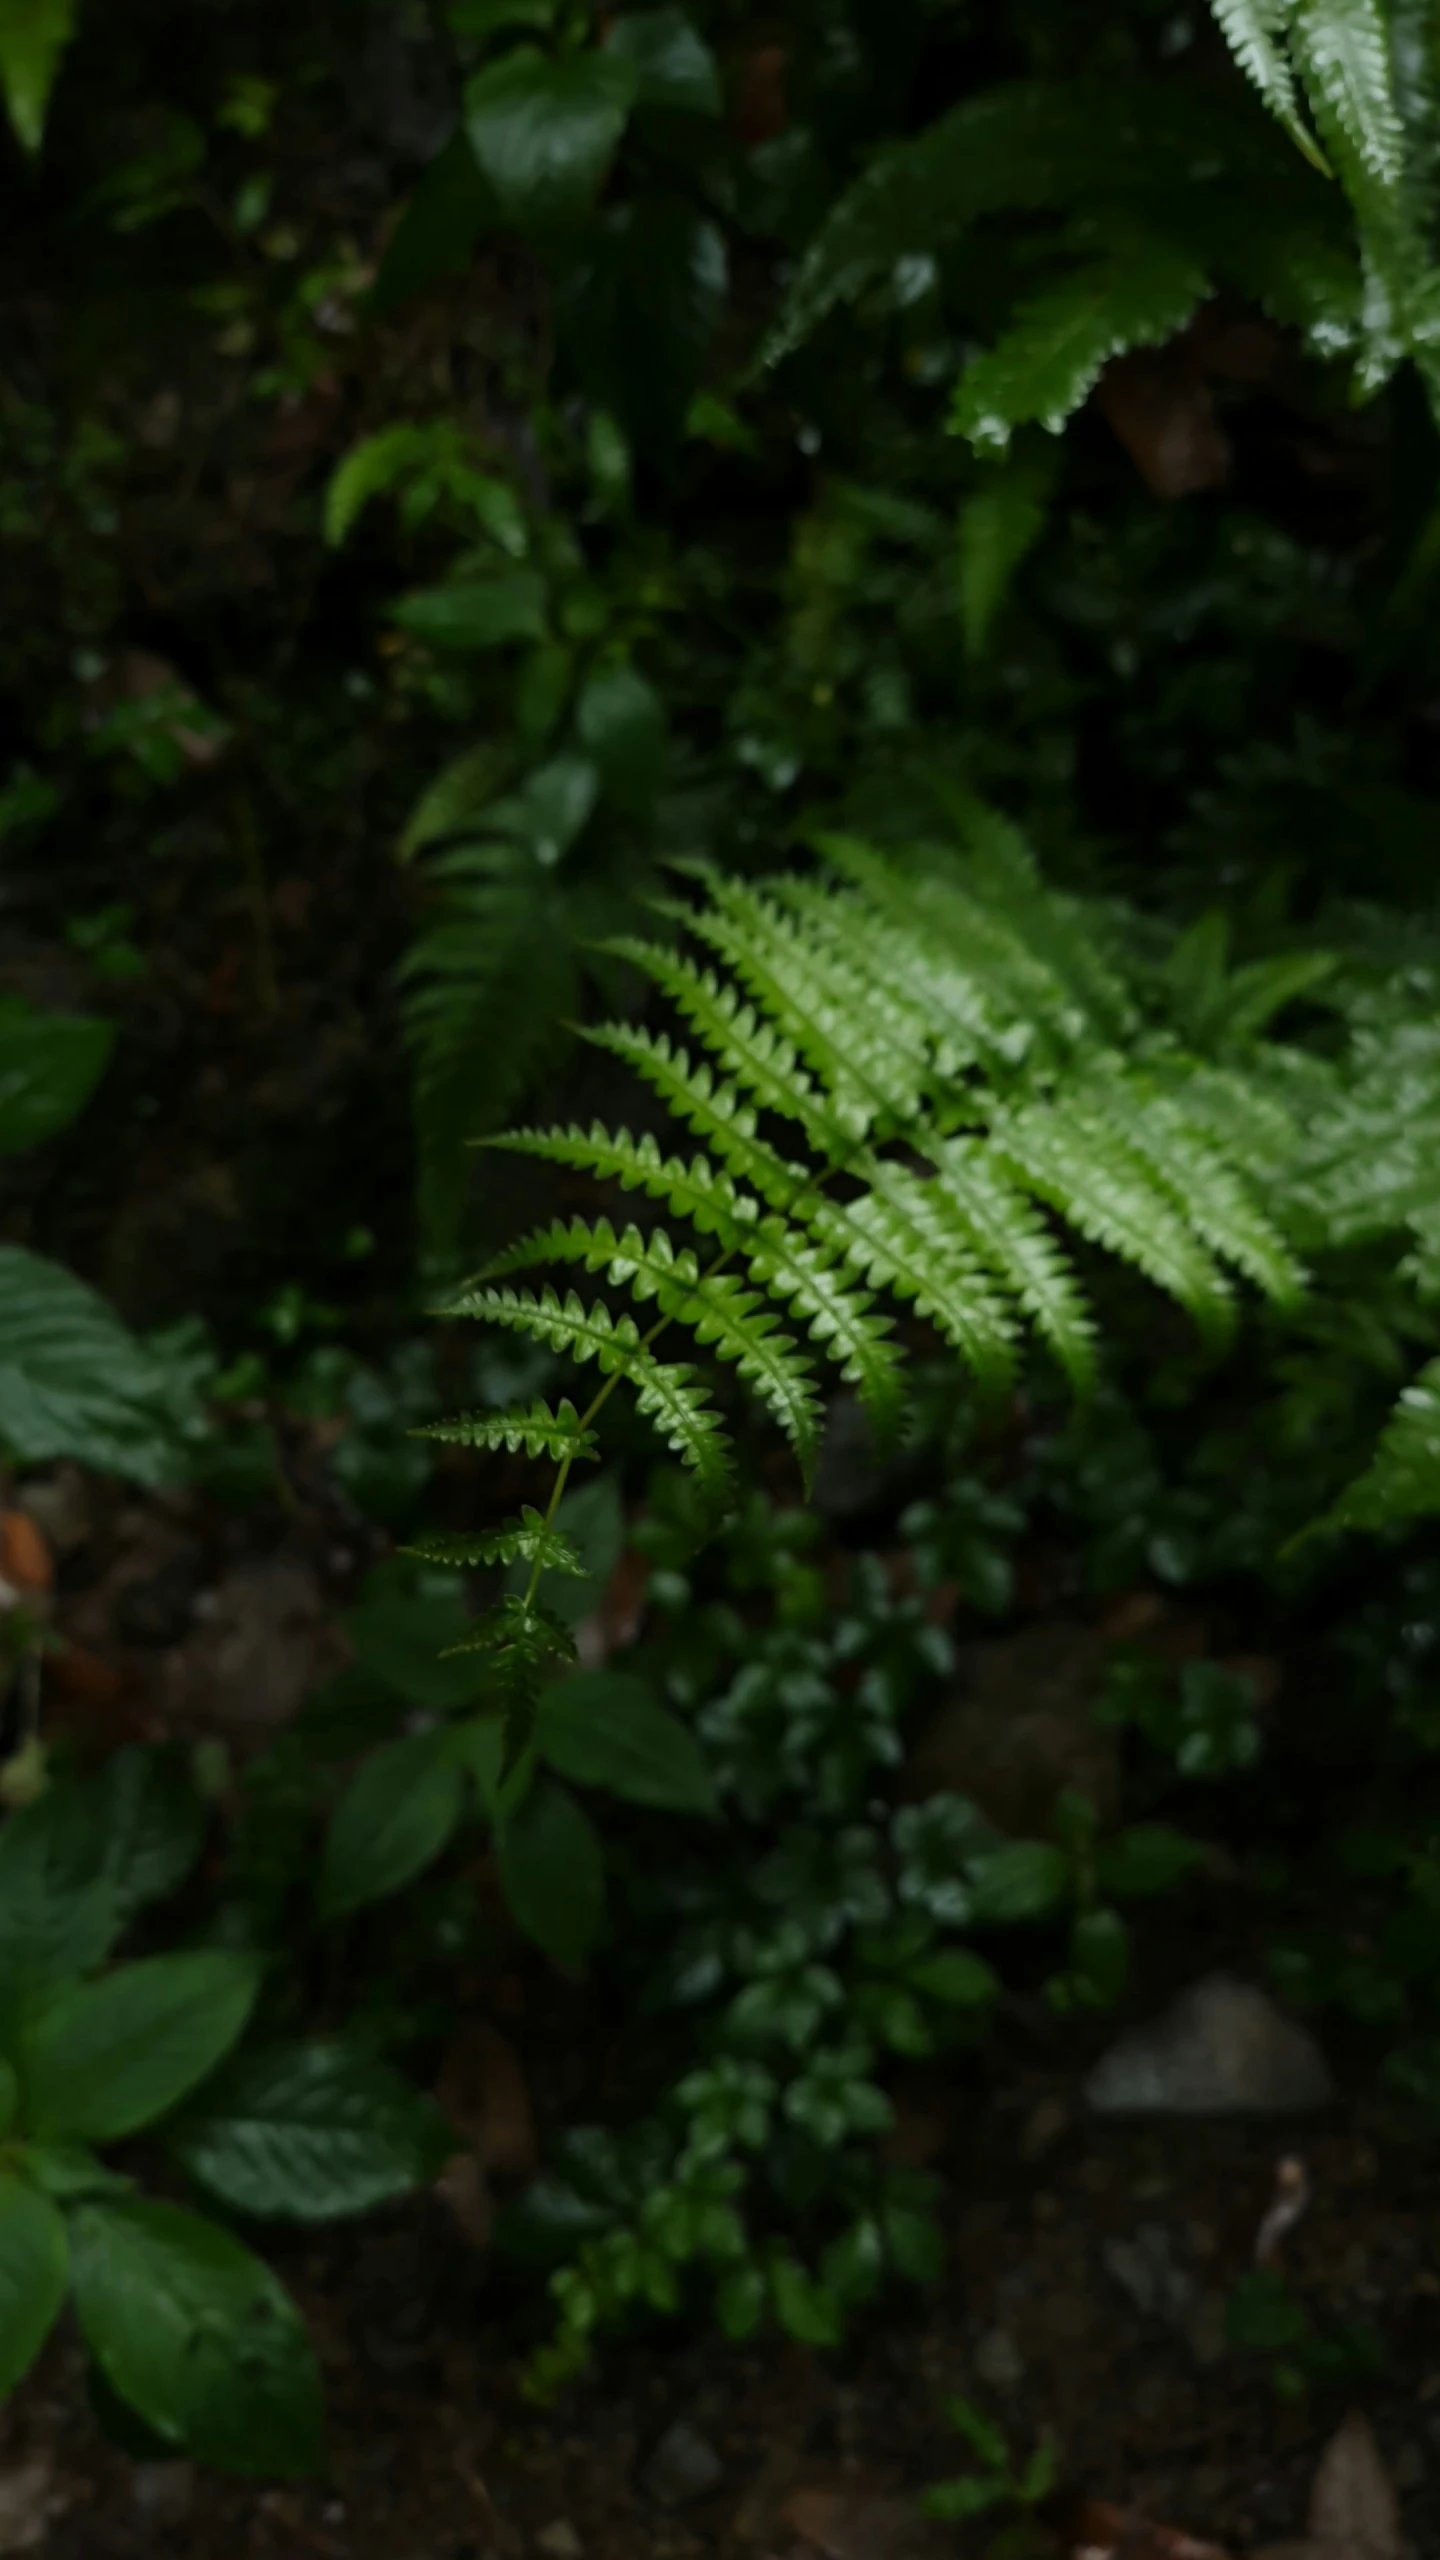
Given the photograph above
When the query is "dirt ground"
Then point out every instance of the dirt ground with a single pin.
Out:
(1084, 2301)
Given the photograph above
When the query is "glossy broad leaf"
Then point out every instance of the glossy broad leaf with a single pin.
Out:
(606, 1729)
(395, 1817)
(50, 1063)
(542, 130)
(197, 2336)
(553, 1874)
(311, 2132)
(100, 2059)
(34, 2271)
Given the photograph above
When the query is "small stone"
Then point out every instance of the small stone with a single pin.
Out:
(560, 2541)
(1222, 2049)
(163, 2493)
(684, 2466)
(998, 2361)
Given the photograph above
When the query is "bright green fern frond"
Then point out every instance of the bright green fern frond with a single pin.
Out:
(1048, 361)
(1204, 1189)
(697, 1191)
(1343, 49)
(839, 1317)
(666, 1393)
(714, 1306)
(1099, 1183)
(1402, 1481)
(902, 1235)
(758, 1055)
(1014, 1240)
(528, 1540)
(534, 1428)
(1255, 33)
(973, 963)
(868, 1050)
(715, 1111)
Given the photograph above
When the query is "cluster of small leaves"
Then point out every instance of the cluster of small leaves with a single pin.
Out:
(825, 1934)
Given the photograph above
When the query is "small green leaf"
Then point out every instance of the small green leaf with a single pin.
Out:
(100, 2059)
(436, 234)
(954, 1975)
(34, 2270)
(50, 1063)
(622, 721)
(999, 524)
(1022, 1881)
(1149, 1858)
(740, 2299)
(33, 36)
(605, 1729)
(808, 2310)
(198, 2336)
(543, 130)
(980, 2433)
(674, 67)
(1099, 1957)
(392, 1821)
(67, 2172)
(553, 1874)
(951, 2501)
(310, 2132)
(475, 613)
(853, 2265)
(915, 2241)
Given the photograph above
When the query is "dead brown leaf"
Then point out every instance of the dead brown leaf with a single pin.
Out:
(483, 2090)
(845, 2525)
(1121, 2533)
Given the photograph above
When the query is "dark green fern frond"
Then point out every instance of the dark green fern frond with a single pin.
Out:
(1402, 1481)
(666, 1392)
(530, 1540)
(535, 1428)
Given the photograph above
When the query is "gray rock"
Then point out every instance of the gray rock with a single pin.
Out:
(998, 2361)
(1223, 2049)
(683, 2467)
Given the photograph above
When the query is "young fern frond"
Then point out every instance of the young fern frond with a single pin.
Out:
(680, 1409)
(715, 1306)
(1255, 33)
(530, 1540)
(535, 1428)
